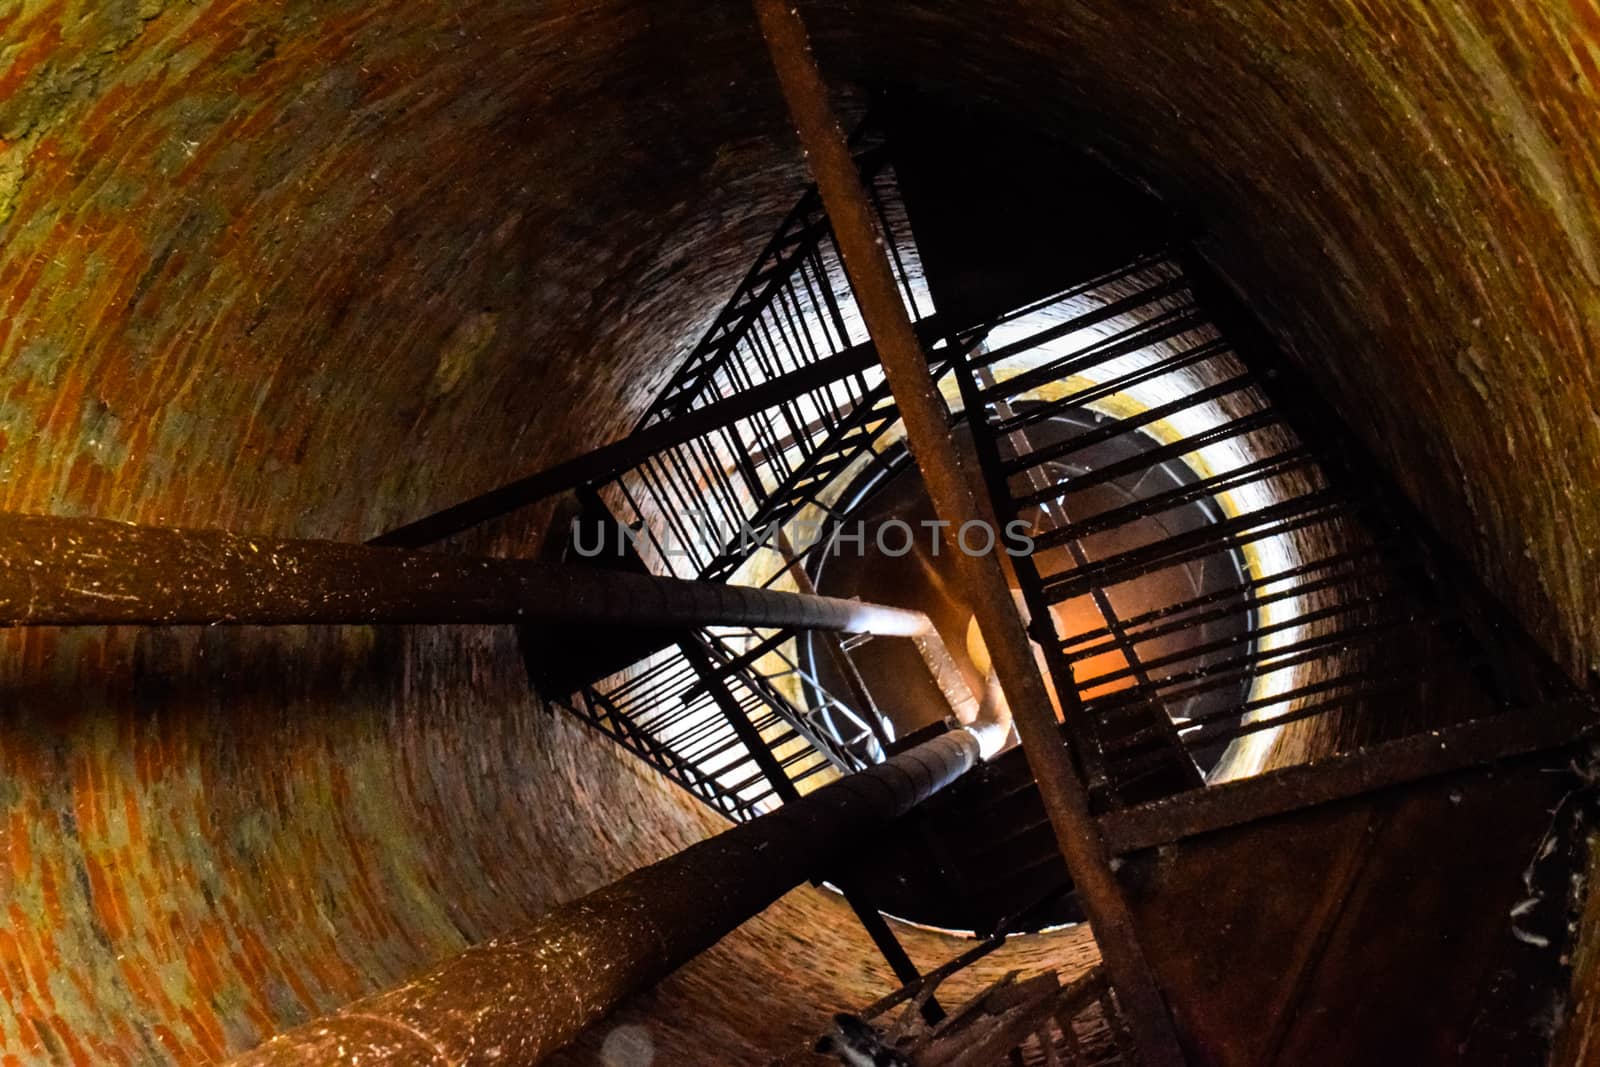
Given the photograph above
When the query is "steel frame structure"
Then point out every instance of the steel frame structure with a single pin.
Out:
(783, 402)
(1357, 573)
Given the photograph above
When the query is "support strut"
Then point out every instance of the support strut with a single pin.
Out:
(982, 579)
(512, 1001)
(71, 572)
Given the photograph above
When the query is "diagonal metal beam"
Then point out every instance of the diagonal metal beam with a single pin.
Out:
(734, 712)
(894, 953)
(514, 1000)
(927, 430)
(1060, 525)
(1348, 774)
(611, 460)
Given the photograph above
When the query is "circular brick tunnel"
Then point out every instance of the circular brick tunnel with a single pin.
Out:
(314, 270)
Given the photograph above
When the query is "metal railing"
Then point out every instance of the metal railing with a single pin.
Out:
(1203, 583)
(699, 507)
(734, 717)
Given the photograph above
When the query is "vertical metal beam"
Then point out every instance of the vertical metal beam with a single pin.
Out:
(926, 420)
(1090, 757)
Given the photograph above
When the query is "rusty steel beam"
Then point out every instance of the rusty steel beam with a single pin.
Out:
(610, 460)
(861, 247)
(513, 1001)
(67, 572)
(1348, 774)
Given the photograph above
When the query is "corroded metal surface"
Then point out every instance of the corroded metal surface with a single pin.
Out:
(517, 999)
(1368, 930)
(89, 572)
(951, 488)
(1347, 774)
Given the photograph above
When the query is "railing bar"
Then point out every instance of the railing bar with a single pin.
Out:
(1118, 427)
(1136, 337)
(1251, 473)
(1251, 635)
(655, 482)
(762, 343)
(1261, 661)
(1362, 682)
(691, 379)
(1170, 365)
(1142, 636)
(1105, 312)
(893, 247)
(621, 483)
(1243, 529)
(1149, 261)
(705, 470)
(827, 308)
(675, 505)
(1174, 450)
(1236, 590)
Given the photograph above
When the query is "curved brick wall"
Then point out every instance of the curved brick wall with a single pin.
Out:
(317, 268)
(1406, 193)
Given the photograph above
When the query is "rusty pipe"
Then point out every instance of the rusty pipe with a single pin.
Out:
(59, 571)
(512, 1001)
(905, 365)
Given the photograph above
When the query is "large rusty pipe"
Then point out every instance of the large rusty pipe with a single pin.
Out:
(58, 571)
(512, 1001)
(982, 579)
